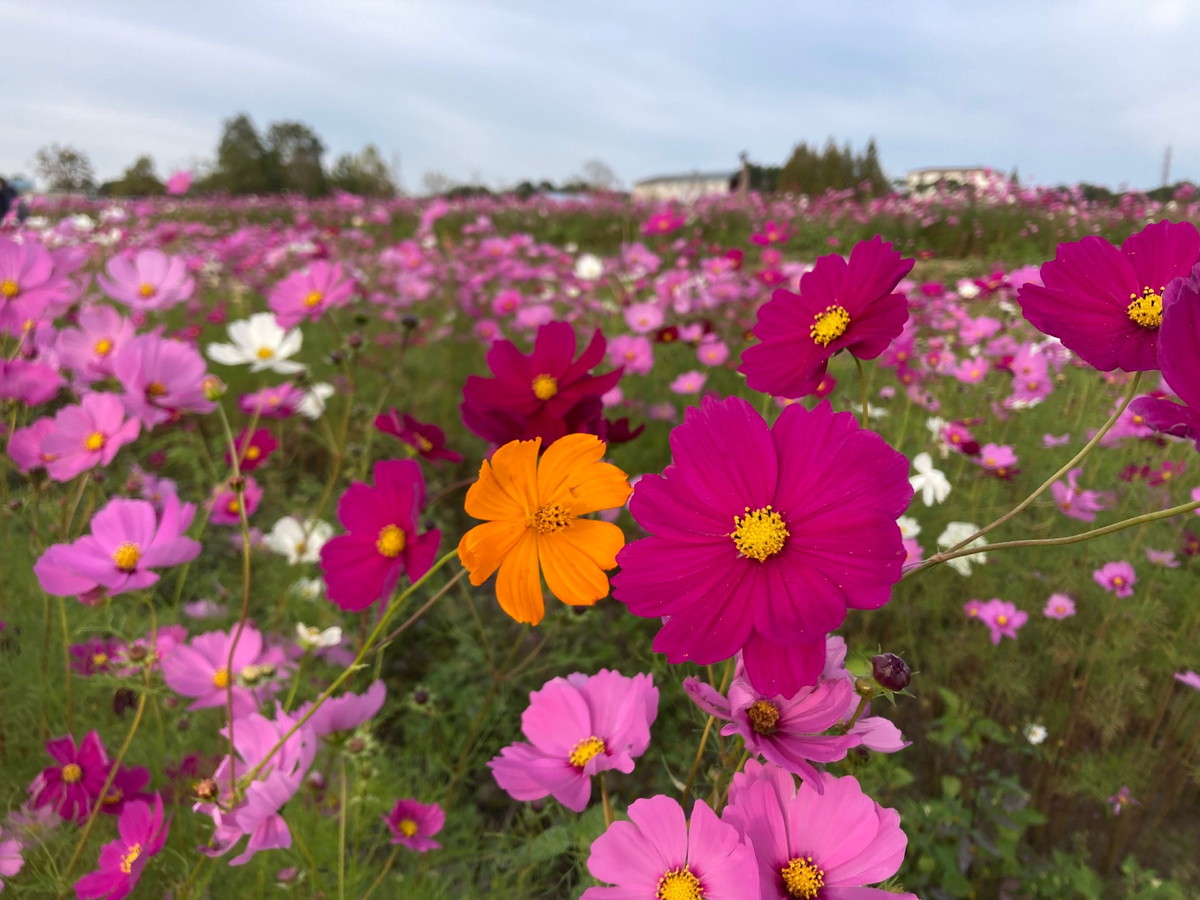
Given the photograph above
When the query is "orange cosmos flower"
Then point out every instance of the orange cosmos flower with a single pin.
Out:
(534, 527)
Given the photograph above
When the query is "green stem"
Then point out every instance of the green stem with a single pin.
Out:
(387, 867)
(342, 815)
(66, 632)
(862, 391)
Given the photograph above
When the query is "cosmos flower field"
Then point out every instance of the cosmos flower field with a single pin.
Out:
(757, 547)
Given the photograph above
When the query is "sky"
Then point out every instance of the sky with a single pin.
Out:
(497, 91)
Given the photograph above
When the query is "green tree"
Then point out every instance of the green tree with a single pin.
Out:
(243, 166)
(65, 168)
(364, 173)
(139, 180)
(808, 171)
(296, 151)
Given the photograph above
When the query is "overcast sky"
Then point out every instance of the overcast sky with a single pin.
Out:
(496, 91)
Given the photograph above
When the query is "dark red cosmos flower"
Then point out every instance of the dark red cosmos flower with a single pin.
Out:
(1180, 364)
(547, 394)
(73, 785)
(253, 449)
(428, 440)
(842, 305)
(1106, 304)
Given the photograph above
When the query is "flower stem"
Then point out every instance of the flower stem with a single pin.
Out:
(862, 391)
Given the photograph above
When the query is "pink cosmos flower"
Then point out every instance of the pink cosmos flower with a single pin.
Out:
(689, 383)
(842, 305)
(1059, 606)
(999, 459)
(308, 293)
(1121, 799)
(253, 449)
(11, 860)
(149, 280)
(1117, 577)
(1050, 440)
(74, 785)
(662, 222)
(828, 841)
(345, 712)
(127, 540)
(88, 350)
(1002, 619)
(178, 183)
(383, 544)
(772, 233)
(280, 401)
(226, 505)
(658, 853)
(712, 351)
(577, 726)
(1075, 502)
(972, 370)
(25, 445)
(1106, 304)
(162, 379)
(142, 833)
(762, 537)
(201, 669)
(28, 285)
(414, 824)
(257, 816)
(643, 318)
(1164, 558)
(1191, 679)
(633, 352)
(28, 382)
(87, 435)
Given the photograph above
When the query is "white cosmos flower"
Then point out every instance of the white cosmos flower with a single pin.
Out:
(313, 404)
(300, 542)
(588, 267)
(930, 483)
(909, 527)
(312, 638)
(1035, 733)
(955, 533)
(261, 343)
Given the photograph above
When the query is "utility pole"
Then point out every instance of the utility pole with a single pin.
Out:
(1166, 176)
(396, 172)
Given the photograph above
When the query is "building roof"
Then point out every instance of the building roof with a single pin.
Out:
(691, 176)
(948, 169)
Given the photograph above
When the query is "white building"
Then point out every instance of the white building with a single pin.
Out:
(684, 187)
(978, 177)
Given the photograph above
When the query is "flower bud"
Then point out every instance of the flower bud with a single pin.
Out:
(213, 387)
(890, 671)
(206, 789)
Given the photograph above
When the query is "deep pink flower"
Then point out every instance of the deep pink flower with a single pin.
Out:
(149, 280)
(253, 449)
(1106, 304)
(87, 435)
(829, 843)
(999, 459)
(178, 183)
(226, 504)
(1178, 339)
(761, 538)
(308, 293)
(162, 378)
(1075, 502)
(662, 222)
(842, 305)
(366, 564)
(547, 394)
(142, 835)
(73, 786)
(772, 233)
(201, 669)
(428, 440)
(1002, 619)
(577, 726)
(128, 539)
(1059, 606)
(1121, 799)
(1117, 577)
(414, 824)
(658, 853)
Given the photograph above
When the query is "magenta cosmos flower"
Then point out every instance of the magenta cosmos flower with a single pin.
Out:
(547, 394)
(148, 280)
(202, 669)
(73, 786)
(1118, 577)
(428, 441)
(366, 564)
(1074, 501)
(842, 305)
(128, 539)
(578, 726)
(828, 843)
(142, 833)
(87, 435)
(162, 379)
(1002, 618)
(1180, 364)
(1106, 304)
(308, 293)
(414, 824)
(762, 537)
(657, 853)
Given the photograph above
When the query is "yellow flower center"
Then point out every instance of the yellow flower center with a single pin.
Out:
(679, 884)
(1146, 310)
(146, 289)
(9, 288)
(550, 518)
(407, 827)
(71, 773)
(99, 658)
(130, 857)
(759, 534)
(103, 347)
(113, 797)
(155, 389)
(424, 444)
(301, 548)
(253, 453)
(94, 441)
(545, 387)
(233, 506)
(265, 353)
(220, 678)
(126, 556)
(764, 716)
(391, 541)
(802, 879)
(1118, 581)
(583, 752)
(1001, 620)
(313, 299)
(830, 325)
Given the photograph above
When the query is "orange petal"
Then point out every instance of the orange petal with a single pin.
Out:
(575, 558)
(601, 486)
(507, 486)
(519, 584)
(561, 463)
(483, 548)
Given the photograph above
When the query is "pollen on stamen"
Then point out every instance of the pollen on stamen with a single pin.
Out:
(391, 541)
(802, 878)
(551, 518)
(313, 299)
(545, 386)
(1146, 310)
(126, 556)
(9, 288)
(586, 750)
(759, 534)
(146, 289)
(829, 325)
(764, 717)
(95, 441)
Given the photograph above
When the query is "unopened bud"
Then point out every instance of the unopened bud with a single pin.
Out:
(890, 671)
(206, 789)
(213, 387)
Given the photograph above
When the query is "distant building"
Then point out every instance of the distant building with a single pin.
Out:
(978, 177)
(685, 187)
